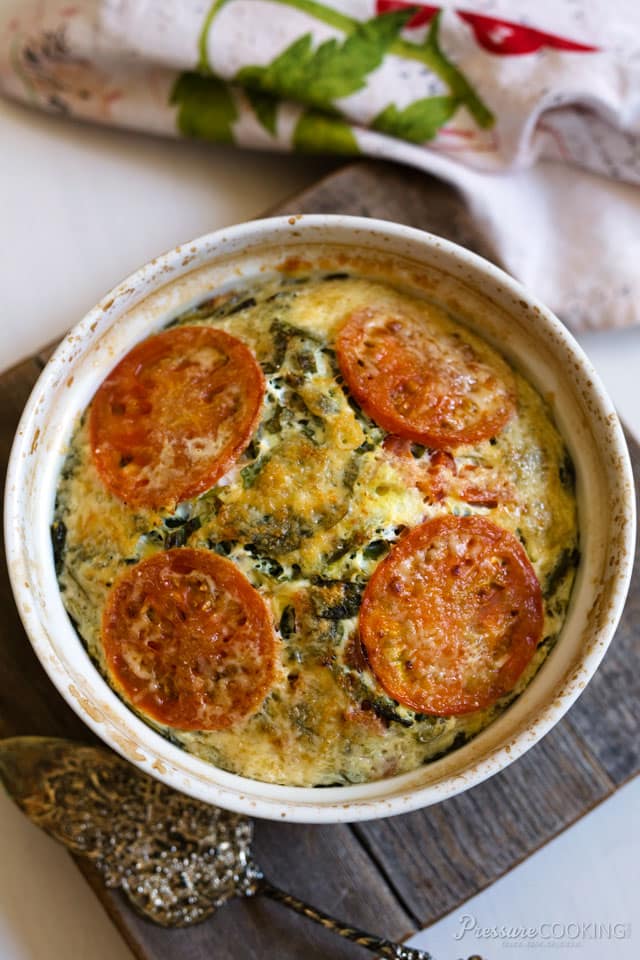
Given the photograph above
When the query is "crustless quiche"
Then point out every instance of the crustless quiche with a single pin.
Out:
(315, 531)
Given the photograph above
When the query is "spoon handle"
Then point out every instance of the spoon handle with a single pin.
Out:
(384, 948)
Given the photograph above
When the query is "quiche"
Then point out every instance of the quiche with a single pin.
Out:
(316, 531)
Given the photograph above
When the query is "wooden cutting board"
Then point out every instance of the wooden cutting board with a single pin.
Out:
(389, 876)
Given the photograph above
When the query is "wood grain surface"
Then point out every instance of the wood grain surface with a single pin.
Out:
(390, 876)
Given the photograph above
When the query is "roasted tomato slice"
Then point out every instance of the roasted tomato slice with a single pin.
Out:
(174, 414)
(430, 386)
(452, 616)
(188, 641)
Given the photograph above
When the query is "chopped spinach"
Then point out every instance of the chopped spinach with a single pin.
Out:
(282, 334)
(336, 599)
(265, 564)
(222, 547)
(386, 710)
(375, 549)
(243, 305)
(305, 361)
(521, 537)
(278, 295)
(154, 536)
(458, 741)
(567, 473)
(253, 448)
(302, 719)
(328, 404)
(214, 306)
(179, 518)
(58, 541)
(342, 548)
(546, 641)
(288, 622)
(351, 472)
(250, 473)
(274, 423)
(307, 417)
(372, 430)
(179, 536)
(278, 535)
(365, 447)
(567, 561)
(383, 706)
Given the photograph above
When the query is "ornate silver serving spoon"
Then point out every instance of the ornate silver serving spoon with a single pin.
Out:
(176, 859)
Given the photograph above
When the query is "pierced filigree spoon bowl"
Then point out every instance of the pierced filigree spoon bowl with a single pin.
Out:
(176, 859)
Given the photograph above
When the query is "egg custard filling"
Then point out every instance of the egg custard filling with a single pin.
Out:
(316, 531)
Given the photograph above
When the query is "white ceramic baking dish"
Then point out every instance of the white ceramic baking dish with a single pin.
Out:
(477, 293)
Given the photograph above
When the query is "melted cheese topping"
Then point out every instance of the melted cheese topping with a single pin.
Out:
(306, 513)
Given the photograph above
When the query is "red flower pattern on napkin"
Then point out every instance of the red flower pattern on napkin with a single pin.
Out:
(424, 12)
(501, 37)
(512, 39)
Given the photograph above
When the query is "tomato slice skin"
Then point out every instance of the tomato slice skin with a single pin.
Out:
(436, 476)
(432, 387)
(189, 641)
(452, 616)
(174, 415)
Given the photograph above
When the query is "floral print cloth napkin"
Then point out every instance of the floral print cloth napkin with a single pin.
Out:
(532, 111)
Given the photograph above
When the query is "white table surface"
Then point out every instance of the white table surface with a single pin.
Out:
(80, 208)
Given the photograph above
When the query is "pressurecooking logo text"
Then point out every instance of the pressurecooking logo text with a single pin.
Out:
(552, 933)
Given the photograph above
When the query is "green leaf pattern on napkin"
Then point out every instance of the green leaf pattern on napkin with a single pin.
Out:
(317, 132)
(333, 70)
(418, 122)
(317, 77)
(206, 107)
(265, 106)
